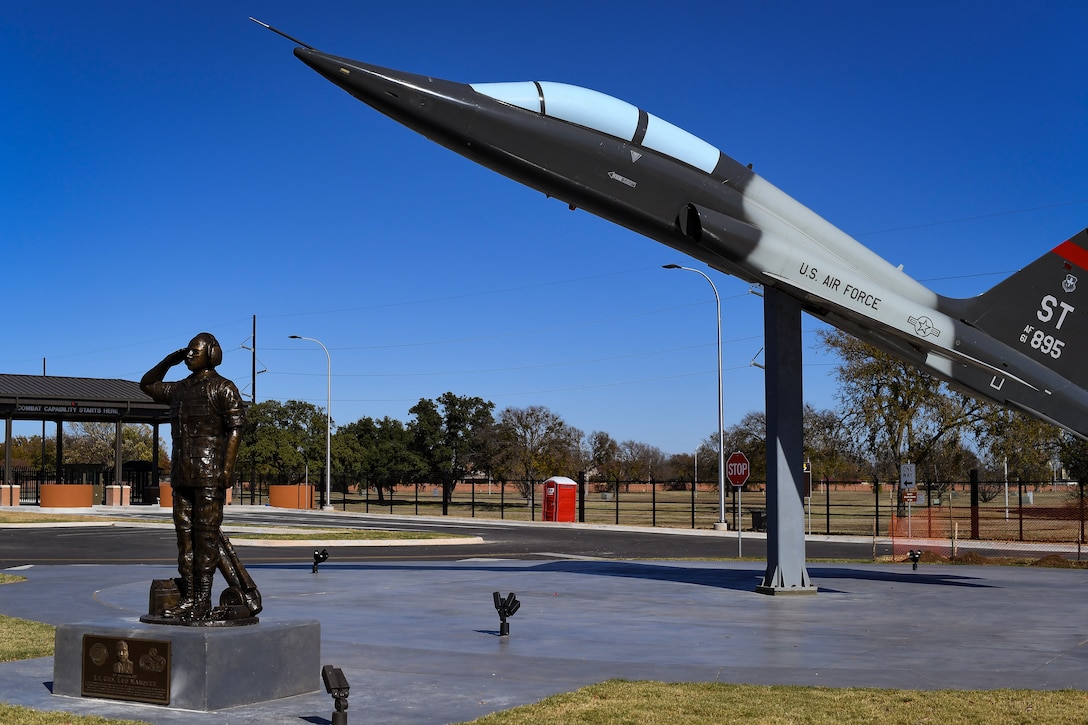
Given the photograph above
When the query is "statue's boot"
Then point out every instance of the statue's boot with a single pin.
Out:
(202, 599)
(205, 548)
(185, 604)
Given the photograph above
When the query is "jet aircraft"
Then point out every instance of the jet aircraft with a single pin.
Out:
(1017, 344)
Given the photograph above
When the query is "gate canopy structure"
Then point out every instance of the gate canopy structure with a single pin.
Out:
(62, 400)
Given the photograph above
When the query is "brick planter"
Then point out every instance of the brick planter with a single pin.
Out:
(291, 497)
(66, 495)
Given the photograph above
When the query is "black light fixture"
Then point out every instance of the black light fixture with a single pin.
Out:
(320, 556)
(914, 555)
(337, 686)
(506, 608)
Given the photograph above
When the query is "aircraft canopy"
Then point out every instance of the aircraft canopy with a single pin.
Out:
(606, 114)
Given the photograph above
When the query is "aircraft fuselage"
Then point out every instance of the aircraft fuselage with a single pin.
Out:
(618, 162)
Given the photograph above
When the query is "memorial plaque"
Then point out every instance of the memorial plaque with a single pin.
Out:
(125, 668)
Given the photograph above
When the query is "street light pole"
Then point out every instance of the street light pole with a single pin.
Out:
(721, 413)
(328, 427)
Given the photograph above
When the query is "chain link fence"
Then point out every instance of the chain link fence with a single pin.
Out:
(1018, 519)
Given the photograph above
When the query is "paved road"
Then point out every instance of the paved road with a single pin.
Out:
(133, 544)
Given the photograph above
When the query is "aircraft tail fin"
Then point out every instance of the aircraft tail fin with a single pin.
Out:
(1042, 310)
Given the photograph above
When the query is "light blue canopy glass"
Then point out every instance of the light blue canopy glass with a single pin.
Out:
(605, 114)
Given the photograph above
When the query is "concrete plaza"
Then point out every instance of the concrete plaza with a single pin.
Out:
(418, 641)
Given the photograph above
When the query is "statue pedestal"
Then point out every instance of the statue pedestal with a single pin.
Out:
(188, 668)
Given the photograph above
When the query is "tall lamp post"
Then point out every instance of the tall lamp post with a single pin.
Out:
(328, 427)
(721, 414)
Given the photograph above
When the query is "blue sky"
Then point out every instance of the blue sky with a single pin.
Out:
(170, 168)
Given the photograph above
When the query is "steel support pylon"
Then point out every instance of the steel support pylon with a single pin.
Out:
(786, 572)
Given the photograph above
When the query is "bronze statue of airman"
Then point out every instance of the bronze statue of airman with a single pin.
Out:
(207, 417)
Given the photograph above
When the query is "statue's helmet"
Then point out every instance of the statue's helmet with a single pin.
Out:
(211, 345)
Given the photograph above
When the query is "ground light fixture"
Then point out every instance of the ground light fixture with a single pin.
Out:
(506, 607)
(337, 686)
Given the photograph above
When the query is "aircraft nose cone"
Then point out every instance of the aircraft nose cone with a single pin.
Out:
(437, 108)
(371, 84)
(326, 65)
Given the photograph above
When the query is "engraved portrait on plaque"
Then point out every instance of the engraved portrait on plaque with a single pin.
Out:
(125, 668)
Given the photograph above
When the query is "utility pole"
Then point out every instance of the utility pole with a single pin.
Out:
(253, 363)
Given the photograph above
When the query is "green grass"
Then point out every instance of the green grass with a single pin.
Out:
(619, 702)
(23, 639)
(14, 516)
(26, 716)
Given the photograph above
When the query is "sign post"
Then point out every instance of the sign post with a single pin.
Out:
(737, 470)
(908, 489)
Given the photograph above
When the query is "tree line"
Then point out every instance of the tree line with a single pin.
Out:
(888, 413)
(447, 440)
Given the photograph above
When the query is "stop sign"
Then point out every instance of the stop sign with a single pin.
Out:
(736, 468)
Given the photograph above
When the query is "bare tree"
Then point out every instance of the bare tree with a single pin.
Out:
(604, 457)
(897, 412)
(830, 447)
(88, 442)
(538, 443)
(640, 461)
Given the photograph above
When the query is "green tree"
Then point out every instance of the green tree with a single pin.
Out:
(283, 438)
(450, 435)
(1027, 445)
(383, 454)
(27, 451)
(1074, 456)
